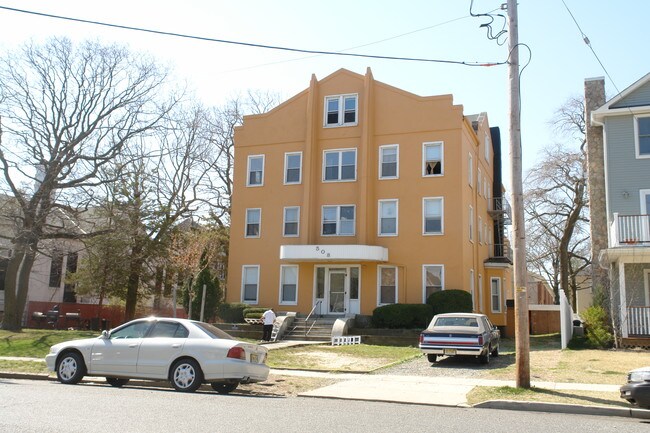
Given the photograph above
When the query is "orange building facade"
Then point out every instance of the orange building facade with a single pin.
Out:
(355, 194)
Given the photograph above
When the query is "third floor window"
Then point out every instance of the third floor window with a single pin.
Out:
(341, 110)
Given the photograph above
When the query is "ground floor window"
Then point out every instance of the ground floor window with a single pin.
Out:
(432, 280)
(495, 293)
(387, 277)
(289, 285)
(250, 283)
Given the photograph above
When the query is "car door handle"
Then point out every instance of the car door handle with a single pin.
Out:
(176, 346)
(133, 346)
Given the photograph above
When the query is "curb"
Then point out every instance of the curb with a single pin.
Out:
(575, 409)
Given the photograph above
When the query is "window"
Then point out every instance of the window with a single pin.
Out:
(168, 330)
(495, 294)
(354, 283)
(479, 181)
(253, 222)
(69, 294)
(338, 221)
(340, 165)
(642, 134)
(487, 148)
(292, 167)
(432, 280)
(470, 170)
(432, 215)
(471, 289)
(255, 170)
(387, 277)
(134, 330)
(250, 283)
(471, 224)
(341, 110)
(480, 230)
(432, 156)
(645, 201)
(388, 162)
(480, 293)
(289, 285)
(387, 217)
(291, 221)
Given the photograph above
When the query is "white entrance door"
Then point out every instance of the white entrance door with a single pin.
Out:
(337, 290)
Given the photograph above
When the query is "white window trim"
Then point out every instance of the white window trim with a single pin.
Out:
(487, 148)
(379, 268)
(243, 283)
(637, 149)
(388, 146)
(472, 288)
(246, 224)
(499, 293)
(479, 225)
(248, 170)
(341, 99)
(282, 268)
(646, 285)
(286, 167)
(480, 293)
(479, 180)
(379, 233)
(642, 197)
(471, 223)
(470, 172)
(442, 158)
(340, 151)
(338, 219)
(284, 221)
(424, 279)
(442, 216)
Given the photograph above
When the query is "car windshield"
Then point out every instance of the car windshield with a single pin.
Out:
(213, 331)
(457, 321)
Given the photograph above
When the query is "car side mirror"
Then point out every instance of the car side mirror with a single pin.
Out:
(104, 334)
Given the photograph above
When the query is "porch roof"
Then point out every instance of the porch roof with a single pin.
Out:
(640, 254)
(333, 253)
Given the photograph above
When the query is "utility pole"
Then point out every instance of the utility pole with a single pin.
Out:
(522, 338)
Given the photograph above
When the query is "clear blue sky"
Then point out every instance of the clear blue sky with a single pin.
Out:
(560, 59)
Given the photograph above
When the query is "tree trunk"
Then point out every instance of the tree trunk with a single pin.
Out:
(133, 282)
(13, 315)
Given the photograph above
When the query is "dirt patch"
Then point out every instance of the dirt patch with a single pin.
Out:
(284, 386)
(330, 361)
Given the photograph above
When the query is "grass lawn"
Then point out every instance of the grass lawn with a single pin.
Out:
(35, 343)
(590, 398)
(30, 367)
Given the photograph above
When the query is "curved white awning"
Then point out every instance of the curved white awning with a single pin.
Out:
(331, 253)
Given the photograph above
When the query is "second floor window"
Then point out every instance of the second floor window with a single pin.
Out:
(255, 170)
(338, 221)
(643, 136)
(432, 156)
(341, 110)
(292, 167)
(388, 162)
(291, 217)
(253, 222)
(432, 215)
(387, 217)
(340, 165)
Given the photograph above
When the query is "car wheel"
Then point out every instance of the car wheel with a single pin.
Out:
(116, 382)
(495, 351)
(485, 359)
(224, 387)
(431, 357)
(186, 375)
(70, 368)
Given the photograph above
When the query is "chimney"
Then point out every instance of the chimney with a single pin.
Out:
(594, 99)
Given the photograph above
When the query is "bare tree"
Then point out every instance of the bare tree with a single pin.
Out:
(67, 111)
(556, 206)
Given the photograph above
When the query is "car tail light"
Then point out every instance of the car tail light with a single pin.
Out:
(237, 353)
(480, 340)
(421, 338)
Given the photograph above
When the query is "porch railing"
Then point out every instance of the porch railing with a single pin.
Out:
(501, 251)
(629, 230)
(638, 321)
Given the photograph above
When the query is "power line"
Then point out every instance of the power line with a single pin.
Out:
(248, 44)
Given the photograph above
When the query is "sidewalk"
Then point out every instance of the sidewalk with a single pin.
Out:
(437, 391)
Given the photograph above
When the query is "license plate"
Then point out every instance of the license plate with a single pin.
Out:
(449, 351)
(254, 358)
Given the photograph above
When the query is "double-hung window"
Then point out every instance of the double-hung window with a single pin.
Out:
(387, 282)
(338, 221)
(495, 294)
(480, 230)
(340, 165)
(387, 217)
(642, 126)
(388, 161)
(291, 221)
(432, 215)
(288, 284)
(292, 167)
(433, 280)
(470, 170)
(471, 223)
(250, 283)
(253, 222)
(341, 110)
(255, 170)
(432, 155)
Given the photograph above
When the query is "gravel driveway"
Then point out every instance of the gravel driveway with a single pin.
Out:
(455, 366)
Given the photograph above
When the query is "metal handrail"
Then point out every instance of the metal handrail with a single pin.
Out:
(309, 315)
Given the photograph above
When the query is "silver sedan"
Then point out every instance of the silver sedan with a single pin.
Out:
(187, 353)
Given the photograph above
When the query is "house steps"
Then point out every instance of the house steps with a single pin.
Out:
(314, 329)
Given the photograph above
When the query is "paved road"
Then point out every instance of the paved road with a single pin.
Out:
(44, 406)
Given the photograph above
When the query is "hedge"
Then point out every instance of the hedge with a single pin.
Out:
(254, 312)
(402, 316)
(450, 301)
(232, 313)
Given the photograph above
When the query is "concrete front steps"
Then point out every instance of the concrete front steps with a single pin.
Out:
(316, 329)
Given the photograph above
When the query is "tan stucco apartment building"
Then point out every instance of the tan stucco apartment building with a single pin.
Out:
(355, 194)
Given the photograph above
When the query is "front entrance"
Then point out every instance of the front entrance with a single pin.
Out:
(337, 289)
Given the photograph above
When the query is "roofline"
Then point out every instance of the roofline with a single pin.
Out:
(598, 115)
